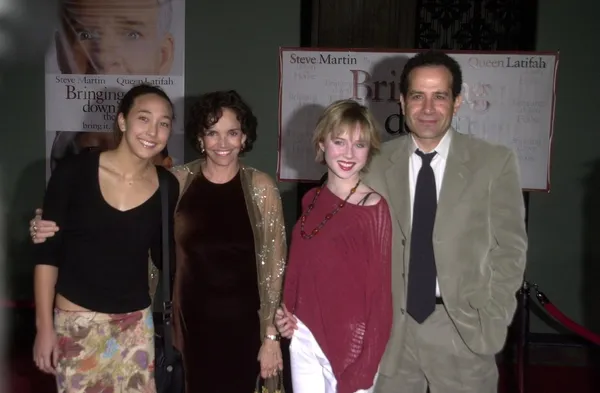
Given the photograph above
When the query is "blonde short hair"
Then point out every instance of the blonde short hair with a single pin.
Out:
(341, 115)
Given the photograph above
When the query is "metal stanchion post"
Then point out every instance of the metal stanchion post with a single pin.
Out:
(523, 340)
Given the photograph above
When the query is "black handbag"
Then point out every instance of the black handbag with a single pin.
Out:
(168, 371)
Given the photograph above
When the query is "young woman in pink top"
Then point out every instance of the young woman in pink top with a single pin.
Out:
(337, 293)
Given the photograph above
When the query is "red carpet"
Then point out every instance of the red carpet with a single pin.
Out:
(553, 379)
(24, 378)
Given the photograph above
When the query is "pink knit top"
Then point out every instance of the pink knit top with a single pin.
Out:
(339, 285)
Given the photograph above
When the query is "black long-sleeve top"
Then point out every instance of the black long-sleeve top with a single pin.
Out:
(101, 252)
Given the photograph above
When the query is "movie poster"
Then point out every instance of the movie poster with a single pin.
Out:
(101, 49)
(507, 98)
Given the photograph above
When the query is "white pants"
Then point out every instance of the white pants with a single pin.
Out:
(311, 371)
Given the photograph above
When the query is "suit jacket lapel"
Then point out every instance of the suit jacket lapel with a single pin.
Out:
(396, 177)
(453, 184)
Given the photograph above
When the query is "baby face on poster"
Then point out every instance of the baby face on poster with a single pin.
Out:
(127, 37)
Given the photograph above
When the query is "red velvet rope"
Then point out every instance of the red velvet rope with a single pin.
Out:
(569, 324)
(564, 320)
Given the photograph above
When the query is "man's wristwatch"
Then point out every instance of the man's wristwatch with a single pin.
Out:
(273, 337)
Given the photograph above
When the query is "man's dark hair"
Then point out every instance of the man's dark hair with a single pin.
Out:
(164, 153)
(207, 111)
(432, 58)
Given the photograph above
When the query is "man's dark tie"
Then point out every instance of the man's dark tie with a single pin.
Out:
(421, 271)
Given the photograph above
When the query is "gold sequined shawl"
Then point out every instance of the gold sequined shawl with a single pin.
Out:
(266, 216)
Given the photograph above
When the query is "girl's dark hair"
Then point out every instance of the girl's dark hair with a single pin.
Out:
(128, 101)
(208, 109)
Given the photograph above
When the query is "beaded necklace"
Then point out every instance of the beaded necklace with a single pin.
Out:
(328, 216)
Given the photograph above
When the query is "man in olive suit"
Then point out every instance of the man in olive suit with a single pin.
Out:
(459, 242)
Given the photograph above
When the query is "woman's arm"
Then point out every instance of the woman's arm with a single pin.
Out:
(47, 258)
(44, 282)
(55, 209)
(45, 349)
(273, 250)
(271, 264)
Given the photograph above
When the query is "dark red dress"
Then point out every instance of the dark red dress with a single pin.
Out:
(216, 291)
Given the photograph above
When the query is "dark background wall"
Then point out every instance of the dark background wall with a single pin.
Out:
(234, 44)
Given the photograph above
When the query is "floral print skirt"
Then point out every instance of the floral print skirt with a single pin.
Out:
(105, 353)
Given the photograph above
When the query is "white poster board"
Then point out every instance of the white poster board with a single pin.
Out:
(99, 51)
(508, 98)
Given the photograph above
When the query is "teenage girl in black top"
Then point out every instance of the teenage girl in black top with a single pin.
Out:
(93, 317)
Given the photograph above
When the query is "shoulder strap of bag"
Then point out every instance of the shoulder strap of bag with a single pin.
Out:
(166, 265)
